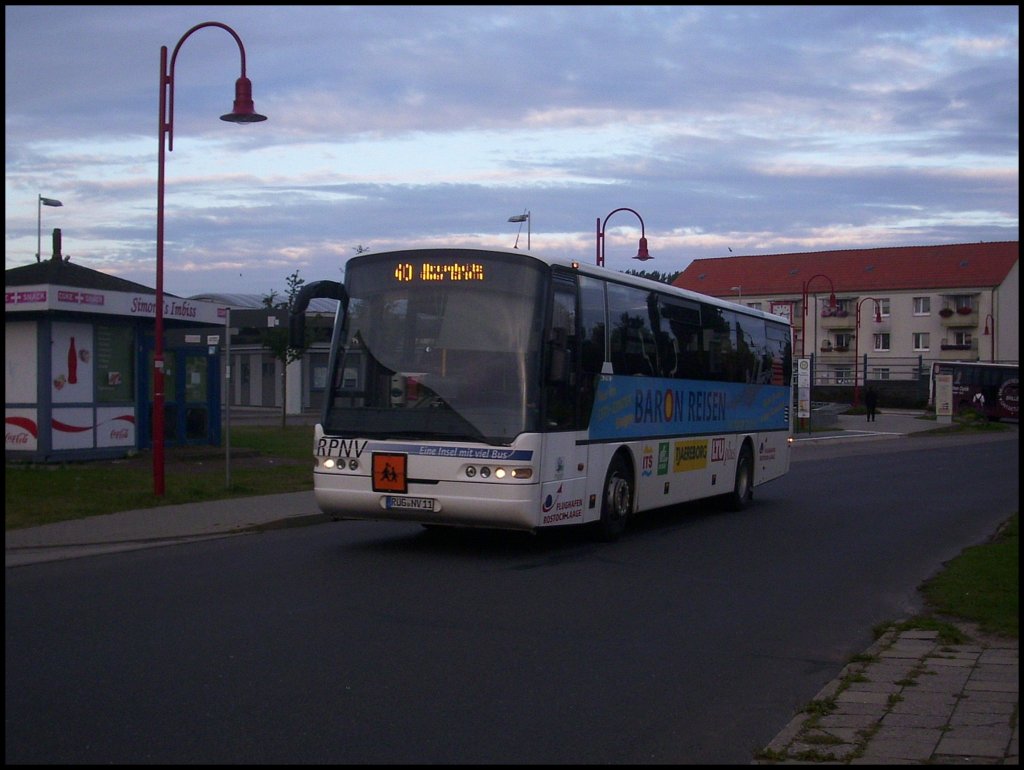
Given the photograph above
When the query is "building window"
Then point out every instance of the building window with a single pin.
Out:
(961, 338)
(961, 301)
(843, 306)
(922, 305)
(921, 341)
(883, 307)
(844, 375)
(755, 305)
(880, 373)
(882, 341)
(843, 341)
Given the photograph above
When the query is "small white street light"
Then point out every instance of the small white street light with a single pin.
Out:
(39, 223)
(522, 218)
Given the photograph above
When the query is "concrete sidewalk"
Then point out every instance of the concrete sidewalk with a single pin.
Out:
(909, 699)
(165, 525)
(889, 423)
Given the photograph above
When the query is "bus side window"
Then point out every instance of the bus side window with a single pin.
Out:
(680, 327)
(592, 324)
(633, 349)
(561, 399)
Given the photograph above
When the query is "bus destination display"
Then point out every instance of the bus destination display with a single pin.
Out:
(407, 272)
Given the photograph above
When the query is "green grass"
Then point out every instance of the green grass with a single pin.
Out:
(265, 460)
(981, 584)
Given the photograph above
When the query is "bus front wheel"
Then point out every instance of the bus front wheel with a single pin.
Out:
(743, 489)
(616, 501)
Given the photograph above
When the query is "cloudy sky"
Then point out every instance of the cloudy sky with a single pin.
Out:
(743, 130)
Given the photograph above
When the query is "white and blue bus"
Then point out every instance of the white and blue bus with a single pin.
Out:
(497, 388)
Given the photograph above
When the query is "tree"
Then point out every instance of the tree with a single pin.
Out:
(655, 275)
(275, 338)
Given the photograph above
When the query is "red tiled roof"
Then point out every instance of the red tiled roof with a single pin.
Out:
(978, 265)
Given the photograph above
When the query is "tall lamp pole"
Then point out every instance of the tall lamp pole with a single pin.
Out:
(856, 335)
(992, 333)
(39, 223)
(242, 112)
(642, 254)
(831, 303)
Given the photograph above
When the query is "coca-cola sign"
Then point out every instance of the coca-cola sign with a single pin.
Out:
(20, 430)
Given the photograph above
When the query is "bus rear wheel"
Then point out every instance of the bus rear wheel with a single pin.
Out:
(616, 501)
(743, 489)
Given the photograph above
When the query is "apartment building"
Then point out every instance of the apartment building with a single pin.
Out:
(880, 314)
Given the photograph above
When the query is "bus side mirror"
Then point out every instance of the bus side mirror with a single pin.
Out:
(296, 330)
(297, 316)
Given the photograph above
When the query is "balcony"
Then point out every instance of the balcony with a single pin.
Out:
(950, 351)
(948, 317)
(838, 319)
(836, 351)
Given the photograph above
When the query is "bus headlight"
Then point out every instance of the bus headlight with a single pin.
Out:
(328, 463)
(473, 471)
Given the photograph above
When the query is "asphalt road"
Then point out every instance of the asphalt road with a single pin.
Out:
(693, 639)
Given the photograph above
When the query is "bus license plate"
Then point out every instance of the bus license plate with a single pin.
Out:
(411, 503)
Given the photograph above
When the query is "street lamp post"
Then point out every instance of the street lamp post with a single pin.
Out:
(831, 302)
(739, 291)
(39, 223)
(242, 112)
(856, 335)
(525, 217)
(992, 334)
(642, 254)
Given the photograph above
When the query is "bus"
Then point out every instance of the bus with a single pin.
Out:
(502, 389)
(990, 389)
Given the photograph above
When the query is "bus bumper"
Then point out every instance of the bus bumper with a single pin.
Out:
(496, 506)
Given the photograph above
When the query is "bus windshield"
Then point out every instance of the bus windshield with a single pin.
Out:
(439, 347)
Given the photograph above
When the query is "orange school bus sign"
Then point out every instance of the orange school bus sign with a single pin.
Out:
(389, 472)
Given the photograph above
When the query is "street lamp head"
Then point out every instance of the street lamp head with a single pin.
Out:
(244, 110)
(832, 300)
(642, 254)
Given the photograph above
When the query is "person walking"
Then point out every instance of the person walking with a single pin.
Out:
(871, 402)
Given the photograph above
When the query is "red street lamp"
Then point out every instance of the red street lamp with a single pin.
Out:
(856, 330)
(642, 253)
(242, 112)
(992, 342)
(831, 304)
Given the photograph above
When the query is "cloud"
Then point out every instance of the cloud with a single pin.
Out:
(755, 128)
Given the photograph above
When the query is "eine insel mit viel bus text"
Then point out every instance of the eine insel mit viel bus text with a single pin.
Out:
(505, 389)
